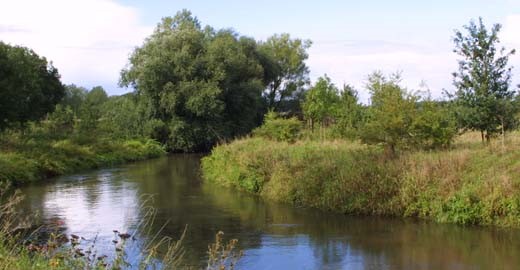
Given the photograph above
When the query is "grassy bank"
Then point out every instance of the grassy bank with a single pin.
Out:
(468, 184)
(31, 157)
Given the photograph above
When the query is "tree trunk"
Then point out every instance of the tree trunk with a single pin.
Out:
(482, 135)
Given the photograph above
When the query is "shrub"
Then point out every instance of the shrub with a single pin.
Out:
(279, 129)
(17, 168)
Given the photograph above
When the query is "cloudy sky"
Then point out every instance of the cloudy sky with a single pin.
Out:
(89, 40)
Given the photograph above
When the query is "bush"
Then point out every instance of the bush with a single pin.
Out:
(279, 129)
(434, 126)
(17, 168)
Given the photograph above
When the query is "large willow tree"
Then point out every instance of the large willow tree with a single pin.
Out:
(205, 85)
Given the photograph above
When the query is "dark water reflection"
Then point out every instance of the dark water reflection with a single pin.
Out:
(273, 236)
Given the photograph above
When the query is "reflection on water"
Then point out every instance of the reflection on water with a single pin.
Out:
(273, 236)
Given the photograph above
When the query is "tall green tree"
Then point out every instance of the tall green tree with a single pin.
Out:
(92, 108)
(286, 73)
(205, 85)
(321, 102)
(30, 86)
(349, 114)
(74, 97)
(483, 80)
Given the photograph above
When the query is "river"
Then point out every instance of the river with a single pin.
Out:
(273, 236)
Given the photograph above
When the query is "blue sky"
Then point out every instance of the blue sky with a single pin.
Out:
(89, 40)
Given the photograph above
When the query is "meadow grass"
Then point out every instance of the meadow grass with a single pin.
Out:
(36, 156)
(470, 183)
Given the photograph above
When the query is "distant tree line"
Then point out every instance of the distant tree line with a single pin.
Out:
(194, 86)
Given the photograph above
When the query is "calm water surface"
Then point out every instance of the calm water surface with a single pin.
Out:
(273, 236)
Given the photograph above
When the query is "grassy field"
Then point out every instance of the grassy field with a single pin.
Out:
(471, 183)
(36, 156)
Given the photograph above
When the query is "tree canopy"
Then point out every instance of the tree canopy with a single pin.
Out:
(206, 85)
(391, 112)
(30, 87)
(321, 101)
(286, 73)
(483, 80)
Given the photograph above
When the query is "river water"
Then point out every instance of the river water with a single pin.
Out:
(273, 236)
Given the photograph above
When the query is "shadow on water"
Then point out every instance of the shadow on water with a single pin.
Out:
(273, 236)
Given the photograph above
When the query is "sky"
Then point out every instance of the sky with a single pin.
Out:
(89, 41)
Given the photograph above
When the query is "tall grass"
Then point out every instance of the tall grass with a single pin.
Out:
(37, 155)
(470, 183)
(59, 251)
(19, 251)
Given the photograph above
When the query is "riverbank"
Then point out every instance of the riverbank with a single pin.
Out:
(469, 184)
(28, 158)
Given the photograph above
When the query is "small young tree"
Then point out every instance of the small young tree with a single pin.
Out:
(483, 95)
(349, 114)
(91, 109)
(391, 113)
(321, 102)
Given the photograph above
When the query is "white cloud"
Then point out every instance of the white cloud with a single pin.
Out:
(510, 36)
(510, 33)
(351, 63)
(87, 40)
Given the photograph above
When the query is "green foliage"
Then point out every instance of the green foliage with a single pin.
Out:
(391, 113)
(29, 86)
(482, 81)
(336, 176)
(61, 119)
(279, 129)
(91, 109)
(321, 102)
(285, 71)
(74, 97)
(461, 185)
(127, 117)
(434, 126)
(463, 208)
(40, 154)
(15, 166)
(399, 119)
(349, 114)
(205, 85)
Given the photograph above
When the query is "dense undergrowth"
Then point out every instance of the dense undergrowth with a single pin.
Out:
(38, 154)
(466, 184)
